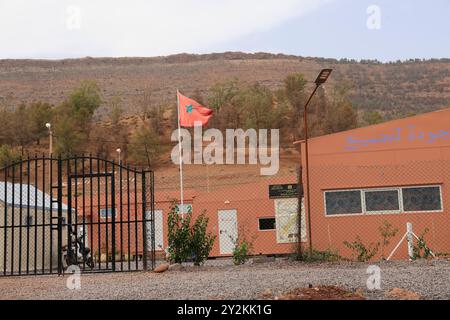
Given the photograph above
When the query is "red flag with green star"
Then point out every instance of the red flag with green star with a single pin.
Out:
(190, 111)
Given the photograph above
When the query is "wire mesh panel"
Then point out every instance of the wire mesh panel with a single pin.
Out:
(242, 211)
(361, 211)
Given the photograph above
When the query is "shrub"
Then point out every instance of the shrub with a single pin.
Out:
(241, 251)
(178, 235)
(387, 232)
(201, 241)
(186, 241)
(362, 252)
(421, 249)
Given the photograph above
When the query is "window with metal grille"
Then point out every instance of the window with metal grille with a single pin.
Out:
(386, 200)
(418, 199)
(379, 201)
(343, 202)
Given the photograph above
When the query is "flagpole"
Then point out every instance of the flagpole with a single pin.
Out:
(181, 161)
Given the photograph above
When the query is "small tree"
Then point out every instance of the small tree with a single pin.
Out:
(188, 241)
(74, 116)
(201, 241)
(8, 155)
(142, 105)
(115, 111)
(145, 146)
(39, 114)
(178, 235)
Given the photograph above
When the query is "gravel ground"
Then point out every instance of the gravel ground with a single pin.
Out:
(219, 279)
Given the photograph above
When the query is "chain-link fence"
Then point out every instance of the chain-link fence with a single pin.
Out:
(243, 208)
(362, 211)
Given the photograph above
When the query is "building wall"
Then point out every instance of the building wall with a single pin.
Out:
(28, 247)
(251, 201)
(408, 152)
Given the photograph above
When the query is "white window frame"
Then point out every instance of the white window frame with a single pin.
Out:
(399, 195)
(424, 186)
(363, 201)
(263, 230)
(343, 214)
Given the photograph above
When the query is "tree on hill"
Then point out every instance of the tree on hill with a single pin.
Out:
(73, 118)
(294, 92)
(8, 155)
(39, 113)
(341, 114)
(144, 146)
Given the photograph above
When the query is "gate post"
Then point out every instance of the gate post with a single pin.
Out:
(144, 221)
(59, 201)
(113, 216)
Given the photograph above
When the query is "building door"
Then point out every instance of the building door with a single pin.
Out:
(228, 230)
(159, 243)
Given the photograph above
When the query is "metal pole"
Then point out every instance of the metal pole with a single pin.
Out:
(181, 160)
(50, 132)
(60, 216)
(308, 211)
(300, 195)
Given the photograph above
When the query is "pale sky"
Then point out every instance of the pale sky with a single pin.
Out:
(360, 29)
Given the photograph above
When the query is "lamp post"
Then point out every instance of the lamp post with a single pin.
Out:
(50, 132)
(321, 79)
(119, 151)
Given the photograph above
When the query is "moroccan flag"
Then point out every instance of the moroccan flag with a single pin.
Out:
(191, 111)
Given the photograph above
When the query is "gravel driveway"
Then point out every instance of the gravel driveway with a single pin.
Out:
(221, 280)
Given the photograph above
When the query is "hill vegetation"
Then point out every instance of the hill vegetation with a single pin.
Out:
(98, 104)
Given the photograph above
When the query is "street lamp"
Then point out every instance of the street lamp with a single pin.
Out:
(119, 151)
(50, 132)
(321, 79)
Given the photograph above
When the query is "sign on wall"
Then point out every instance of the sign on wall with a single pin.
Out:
(277, 191)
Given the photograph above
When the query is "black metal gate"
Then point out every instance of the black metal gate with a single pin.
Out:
(92, 213)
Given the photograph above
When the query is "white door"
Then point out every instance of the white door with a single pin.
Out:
(159, 243)
(228, 230)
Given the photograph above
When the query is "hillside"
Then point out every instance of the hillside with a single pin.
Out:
(394, 89)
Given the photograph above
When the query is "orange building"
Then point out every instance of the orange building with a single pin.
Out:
(241, 211)
(398, 172)
(394, 173)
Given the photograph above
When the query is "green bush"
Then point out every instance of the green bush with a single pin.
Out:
(178, 235)
(241, 251)
(362, 252)
(201, 241)
(188, 241)
(421, 249)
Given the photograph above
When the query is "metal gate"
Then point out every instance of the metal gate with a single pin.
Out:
(84, 211)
